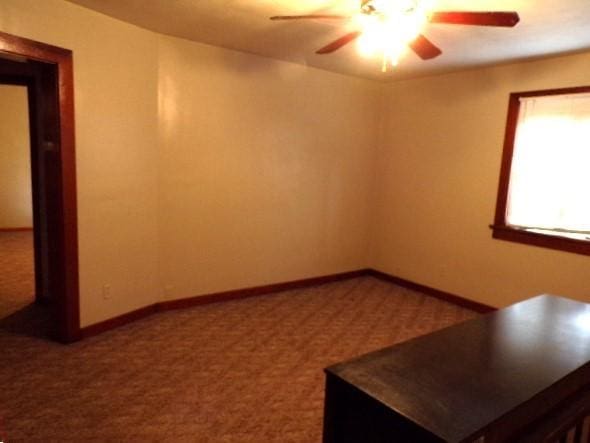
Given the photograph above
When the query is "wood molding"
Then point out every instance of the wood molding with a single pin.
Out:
(257, 290)
(31, 49)
(69, 227)
(542, 240)
(235, 294)
(555, 91)
(500, 229)
(16, 229)
(437, 293)
(53, 79)
(115, 322)
(217, 297)
(506, 165)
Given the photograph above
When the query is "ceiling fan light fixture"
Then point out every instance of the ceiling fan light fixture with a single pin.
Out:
(388, 26)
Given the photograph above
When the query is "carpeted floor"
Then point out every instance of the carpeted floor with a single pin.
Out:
(241, 371)
(17, 278)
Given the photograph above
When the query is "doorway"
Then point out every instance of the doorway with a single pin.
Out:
(46, 73)
(17, 279)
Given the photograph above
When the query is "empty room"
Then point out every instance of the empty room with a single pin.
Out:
(294, 221)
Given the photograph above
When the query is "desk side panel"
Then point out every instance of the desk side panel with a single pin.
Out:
(352, 416)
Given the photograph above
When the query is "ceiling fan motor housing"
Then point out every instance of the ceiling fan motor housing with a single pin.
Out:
(372, 7)
(367, 7)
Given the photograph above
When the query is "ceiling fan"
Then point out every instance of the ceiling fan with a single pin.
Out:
(390, 26)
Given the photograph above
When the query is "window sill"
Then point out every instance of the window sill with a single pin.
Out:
(552, 241)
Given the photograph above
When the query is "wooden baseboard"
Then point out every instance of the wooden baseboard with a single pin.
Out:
(112, 323)
(26, 228)
(257, 290)
(442, 295)
(218, 297)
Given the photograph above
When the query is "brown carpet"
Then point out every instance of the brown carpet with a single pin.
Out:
(241, 371)
(17, 278)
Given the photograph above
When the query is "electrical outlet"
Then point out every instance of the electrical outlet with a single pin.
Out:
(106, 292)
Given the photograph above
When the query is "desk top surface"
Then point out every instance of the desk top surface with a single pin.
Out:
(457, 381)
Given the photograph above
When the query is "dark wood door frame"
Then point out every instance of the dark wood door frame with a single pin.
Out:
(22, 74)
(57, 147)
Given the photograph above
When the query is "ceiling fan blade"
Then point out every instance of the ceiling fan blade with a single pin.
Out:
(337, 44)
(424, 48)
(506, 19)
(305, 17)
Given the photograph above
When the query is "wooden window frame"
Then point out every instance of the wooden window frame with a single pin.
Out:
(500, 229)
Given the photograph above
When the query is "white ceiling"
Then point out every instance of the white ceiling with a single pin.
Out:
(547, 27)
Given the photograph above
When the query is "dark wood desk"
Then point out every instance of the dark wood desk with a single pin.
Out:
(519, 373)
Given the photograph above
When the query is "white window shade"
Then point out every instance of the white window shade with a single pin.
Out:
(550, 175)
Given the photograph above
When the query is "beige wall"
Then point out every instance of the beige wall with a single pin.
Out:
(16, 206)
(262, 175)
(265, 169)
(439, 164)
(202, 169)
(115, 69)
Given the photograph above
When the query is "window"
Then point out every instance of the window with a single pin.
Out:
(544, 190)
